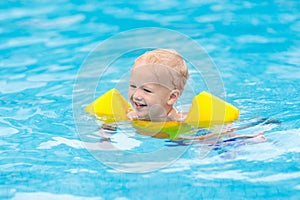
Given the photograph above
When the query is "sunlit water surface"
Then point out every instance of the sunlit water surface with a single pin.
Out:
(255, 47)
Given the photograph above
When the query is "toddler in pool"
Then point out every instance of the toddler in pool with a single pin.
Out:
(157, 80)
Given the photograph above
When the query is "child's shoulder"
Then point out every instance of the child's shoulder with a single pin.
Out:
(175, 115)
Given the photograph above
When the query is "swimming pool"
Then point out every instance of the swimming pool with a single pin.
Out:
(255, 47)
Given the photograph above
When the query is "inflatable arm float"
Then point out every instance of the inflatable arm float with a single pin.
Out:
(206, 110)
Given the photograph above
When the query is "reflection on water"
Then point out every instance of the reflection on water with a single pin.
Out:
(42, 46)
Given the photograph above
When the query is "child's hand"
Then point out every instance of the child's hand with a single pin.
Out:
(132, 115)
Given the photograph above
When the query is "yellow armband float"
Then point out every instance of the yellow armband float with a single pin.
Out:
(206, 111)
(110, 107)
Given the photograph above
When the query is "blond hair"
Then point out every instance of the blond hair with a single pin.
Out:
(167, 57)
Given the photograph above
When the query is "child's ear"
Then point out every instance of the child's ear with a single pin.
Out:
(173, 97)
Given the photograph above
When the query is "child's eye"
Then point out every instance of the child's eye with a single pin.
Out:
(147, 90)
(132, 86)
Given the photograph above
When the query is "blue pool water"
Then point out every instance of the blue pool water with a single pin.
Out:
(47, 152)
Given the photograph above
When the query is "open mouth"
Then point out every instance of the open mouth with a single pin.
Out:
(139, 105)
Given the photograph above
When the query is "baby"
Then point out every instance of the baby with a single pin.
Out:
(157, 80)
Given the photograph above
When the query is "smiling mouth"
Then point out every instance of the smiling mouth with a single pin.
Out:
(139, 106)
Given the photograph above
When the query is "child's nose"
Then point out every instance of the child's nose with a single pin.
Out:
(137, 94)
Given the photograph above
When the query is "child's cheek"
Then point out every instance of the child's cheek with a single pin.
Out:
(130, 93)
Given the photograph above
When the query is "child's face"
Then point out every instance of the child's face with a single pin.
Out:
(149, 94)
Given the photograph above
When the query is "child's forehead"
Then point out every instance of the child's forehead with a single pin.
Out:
(154, 74)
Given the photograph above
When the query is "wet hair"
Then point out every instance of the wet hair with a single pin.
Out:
(167, 57)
